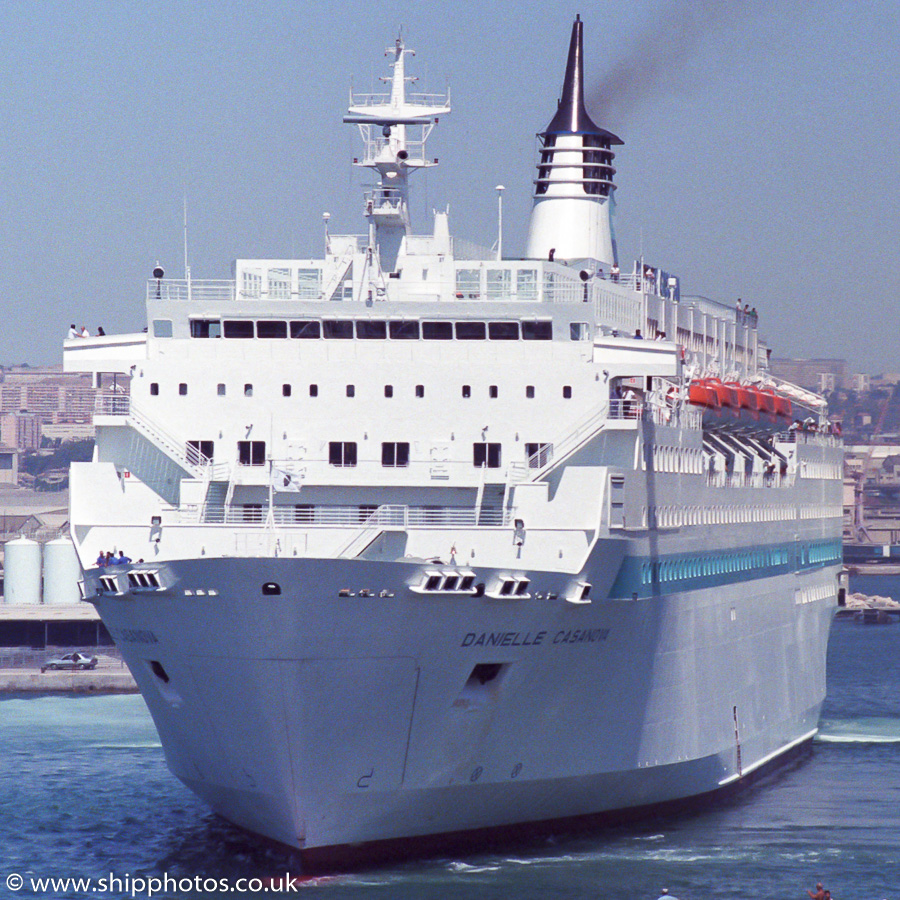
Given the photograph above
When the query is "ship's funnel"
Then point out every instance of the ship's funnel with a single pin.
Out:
(574, 185)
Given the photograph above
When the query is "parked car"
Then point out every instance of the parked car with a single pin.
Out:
(70, 661)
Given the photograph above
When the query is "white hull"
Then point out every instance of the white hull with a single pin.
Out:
(347, 720)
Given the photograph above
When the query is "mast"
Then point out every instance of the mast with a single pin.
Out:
(394, 128)
(574, 190)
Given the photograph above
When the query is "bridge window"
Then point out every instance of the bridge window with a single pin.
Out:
(306, 329)
(162, 328)
(271, 328)
(206, 328)
(338, 329)
(470, 331)
(537, 331)
(437, 331)
(503, 331)
(371, 330)
(404, 331)
(238, 328)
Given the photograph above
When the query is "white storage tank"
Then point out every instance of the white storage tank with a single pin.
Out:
(22, 572)
(61, 573)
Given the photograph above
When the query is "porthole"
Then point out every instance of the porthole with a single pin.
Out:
(271, 589)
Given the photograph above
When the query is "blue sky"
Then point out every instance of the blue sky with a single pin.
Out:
(760, 157)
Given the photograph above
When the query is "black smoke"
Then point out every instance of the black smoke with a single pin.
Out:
(661, 51)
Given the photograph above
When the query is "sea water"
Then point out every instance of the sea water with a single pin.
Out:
(85, 792)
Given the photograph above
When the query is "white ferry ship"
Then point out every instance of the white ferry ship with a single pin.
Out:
(426, 539)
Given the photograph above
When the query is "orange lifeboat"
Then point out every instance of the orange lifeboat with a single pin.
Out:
(768, 398)
(702, 393)
(728, 396)
(782, 406)
(744, 397)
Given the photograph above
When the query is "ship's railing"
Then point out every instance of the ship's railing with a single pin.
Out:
(626, 409)
(673, 416)
(115, 404)
(382, 99)
(754, 480)
(182, 290)
(820, 438)
(396, 516)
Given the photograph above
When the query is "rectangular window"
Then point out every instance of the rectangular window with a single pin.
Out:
(466, 391)
(468, 283)
(503, 331)
(271, 328)
(338, 329)
(470, 331)
(306, 329)
(529, 391)
(238, 328)
(486, 455)
(498, 282)
(351, 390)
(162, 328)
(567, 392)
(395, 455)
(420, 390)
(285, 390)
(279, 284)
(371, 330)
(251, 453)
(437, 331)
(251, 284)
(154, 388)
(537, 331)
(342, 453)
(538, 455)
(579, 331)
(309, 284)
(404, 331)
(313, 390)
(182, 389)
(493, 392)
(526, 284)
(388, 390)
(248, 390)
(206, 328)
(220, 390)
(199, 451)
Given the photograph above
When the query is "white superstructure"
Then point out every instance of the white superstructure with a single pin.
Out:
(426, 541)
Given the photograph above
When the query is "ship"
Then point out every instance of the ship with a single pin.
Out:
(416, 540)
